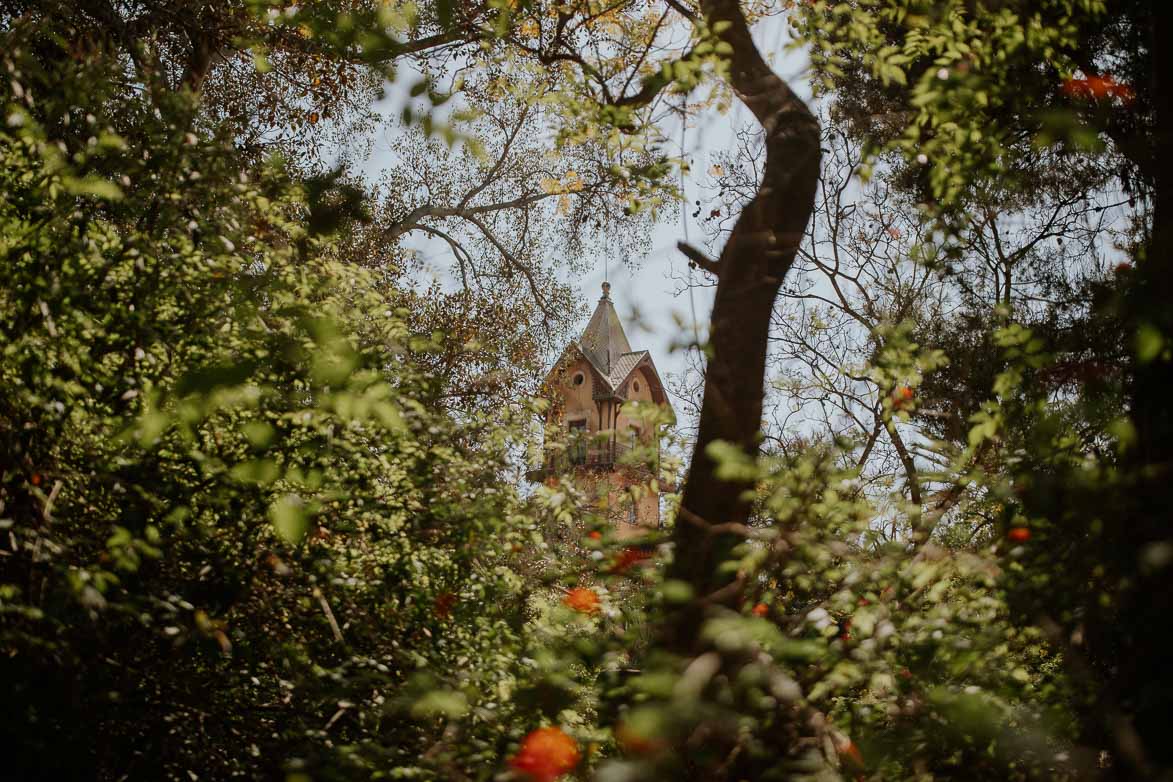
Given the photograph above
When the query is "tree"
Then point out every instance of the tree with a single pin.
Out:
(965, 106)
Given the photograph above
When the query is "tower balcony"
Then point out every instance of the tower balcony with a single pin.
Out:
(583, 457)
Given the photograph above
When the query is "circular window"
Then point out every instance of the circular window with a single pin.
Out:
(635, 386)
(578, 379)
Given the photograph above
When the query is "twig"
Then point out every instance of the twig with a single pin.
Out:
(329, 614)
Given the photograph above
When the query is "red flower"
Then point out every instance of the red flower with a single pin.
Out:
(595, 535)
(761, 609)
(36, 479)
(546, 754)
(628, 557)
(582, 599)
(1019, 534)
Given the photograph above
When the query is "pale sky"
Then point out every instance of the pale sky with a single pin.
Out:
(649, 298)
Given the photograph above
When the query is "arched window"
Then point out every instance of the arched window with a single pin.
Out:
(578, 379)
(635, 386)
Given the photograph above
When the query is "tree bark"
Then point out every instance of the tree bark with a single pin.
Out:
(758, 254)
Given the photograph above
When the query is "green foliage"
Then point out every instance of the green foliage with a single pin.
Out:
(248, 532)
(948, 84)
(227, 507)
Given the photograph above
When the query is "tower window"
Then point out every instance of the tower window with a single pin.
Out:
(578, 379)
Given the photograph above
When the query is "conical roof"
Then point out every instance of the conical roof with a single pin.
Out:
(603, 341)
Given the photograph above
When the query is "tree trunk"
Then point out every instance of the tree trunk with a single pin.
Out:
(1134, 652)
(752, 265)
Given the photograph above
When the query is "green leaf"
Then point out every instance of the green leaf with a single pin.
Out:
(440, 703)
(215, 376)
(289, 518)
(1149, 343)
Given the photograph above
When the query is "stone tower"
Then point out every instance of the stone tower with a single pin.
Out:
(602, 446)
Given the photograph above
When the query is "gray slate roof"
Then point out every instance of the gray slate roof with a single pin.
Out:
(603, 342)
(623, 366)
(604, 345)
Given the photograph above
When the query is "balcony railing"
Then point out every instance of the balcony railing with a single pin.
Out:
(581, 454)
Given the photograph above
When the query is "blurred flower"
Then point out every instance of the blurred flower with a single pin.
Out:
(1019, 534)
(848, 752)
(902, 397)
(1097, 88)
(546, 753)
(628, 557)
(761, 609)
(582, 599)
(595, 534)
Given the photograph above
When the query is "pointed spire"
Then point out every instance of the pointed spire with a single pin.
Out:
(603, 341)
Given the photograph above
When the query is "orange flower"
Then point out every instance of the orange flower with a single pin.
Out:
(595, 535)
(1098, 88)
(1019, 534)
(848, 752)
(902, 397)
(36, 479)
(546, 754)
(628, 557)
(761, 609)
(582, 599)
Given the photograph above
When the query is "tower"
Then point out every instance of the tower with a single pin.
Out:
(603, 446)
